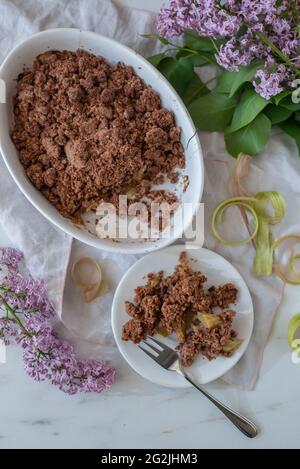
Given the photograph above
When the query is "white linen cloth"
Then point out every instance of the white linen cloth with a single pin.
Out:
(48, 251)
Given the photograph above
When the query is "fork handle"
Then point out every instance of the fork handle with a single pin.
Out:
(243, 424)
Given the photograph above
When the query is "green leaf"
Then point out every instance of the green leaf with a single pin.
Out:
(231, 82)
(288, 104)
(250, 139)
(162, 39)
(178, 72)
(156, 59)
(225, 81)
(197, 59)
(244, 75)
(201, 59)
(280, 96)
(195, 42)
(297, 117)
(213, 111)
(249, 106)
(292, 128)
(243, 29)
(277, 114)
(195, 89)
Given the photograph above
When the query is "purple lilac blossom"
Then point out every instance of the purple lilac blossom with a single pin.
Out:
(11, 257)
(26, 321)
(204, 16)
(269, 84)
(277, 21)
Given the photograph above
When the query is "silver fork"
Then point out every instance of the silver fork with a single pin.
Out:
(169, 359)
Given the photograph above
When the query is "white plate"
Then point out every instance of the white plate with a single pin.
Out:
(218, 271)
(72, 39)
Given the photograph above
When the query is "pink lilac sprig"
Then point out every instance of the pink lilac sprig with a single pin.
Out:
(207, 17)
(251, 29)
(26, 320)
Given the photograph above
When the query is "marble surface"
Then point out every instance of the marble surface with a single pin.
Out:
(138, 414)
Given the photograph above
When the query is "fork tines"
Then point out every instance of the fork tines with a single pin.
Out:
(159, 352)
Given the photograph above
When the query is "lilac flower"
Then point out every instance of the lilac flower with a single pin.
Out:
(269, 84)
(269, 26)
(26, 321)
(11, 257)
(231, 57)
(8, 330)
(169, 23)
(204, 16)
(29, 296)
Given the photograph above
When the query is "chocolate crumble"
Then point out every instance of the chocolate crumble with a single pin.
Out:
(87, 131)
(180, 304)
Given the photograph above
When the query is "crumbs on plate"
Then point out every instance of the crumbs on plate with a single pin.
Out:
(180, 304)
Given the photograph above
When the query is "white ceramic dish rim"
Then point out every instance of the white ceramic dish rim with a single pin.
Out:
(184, 384)
(63, 223)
